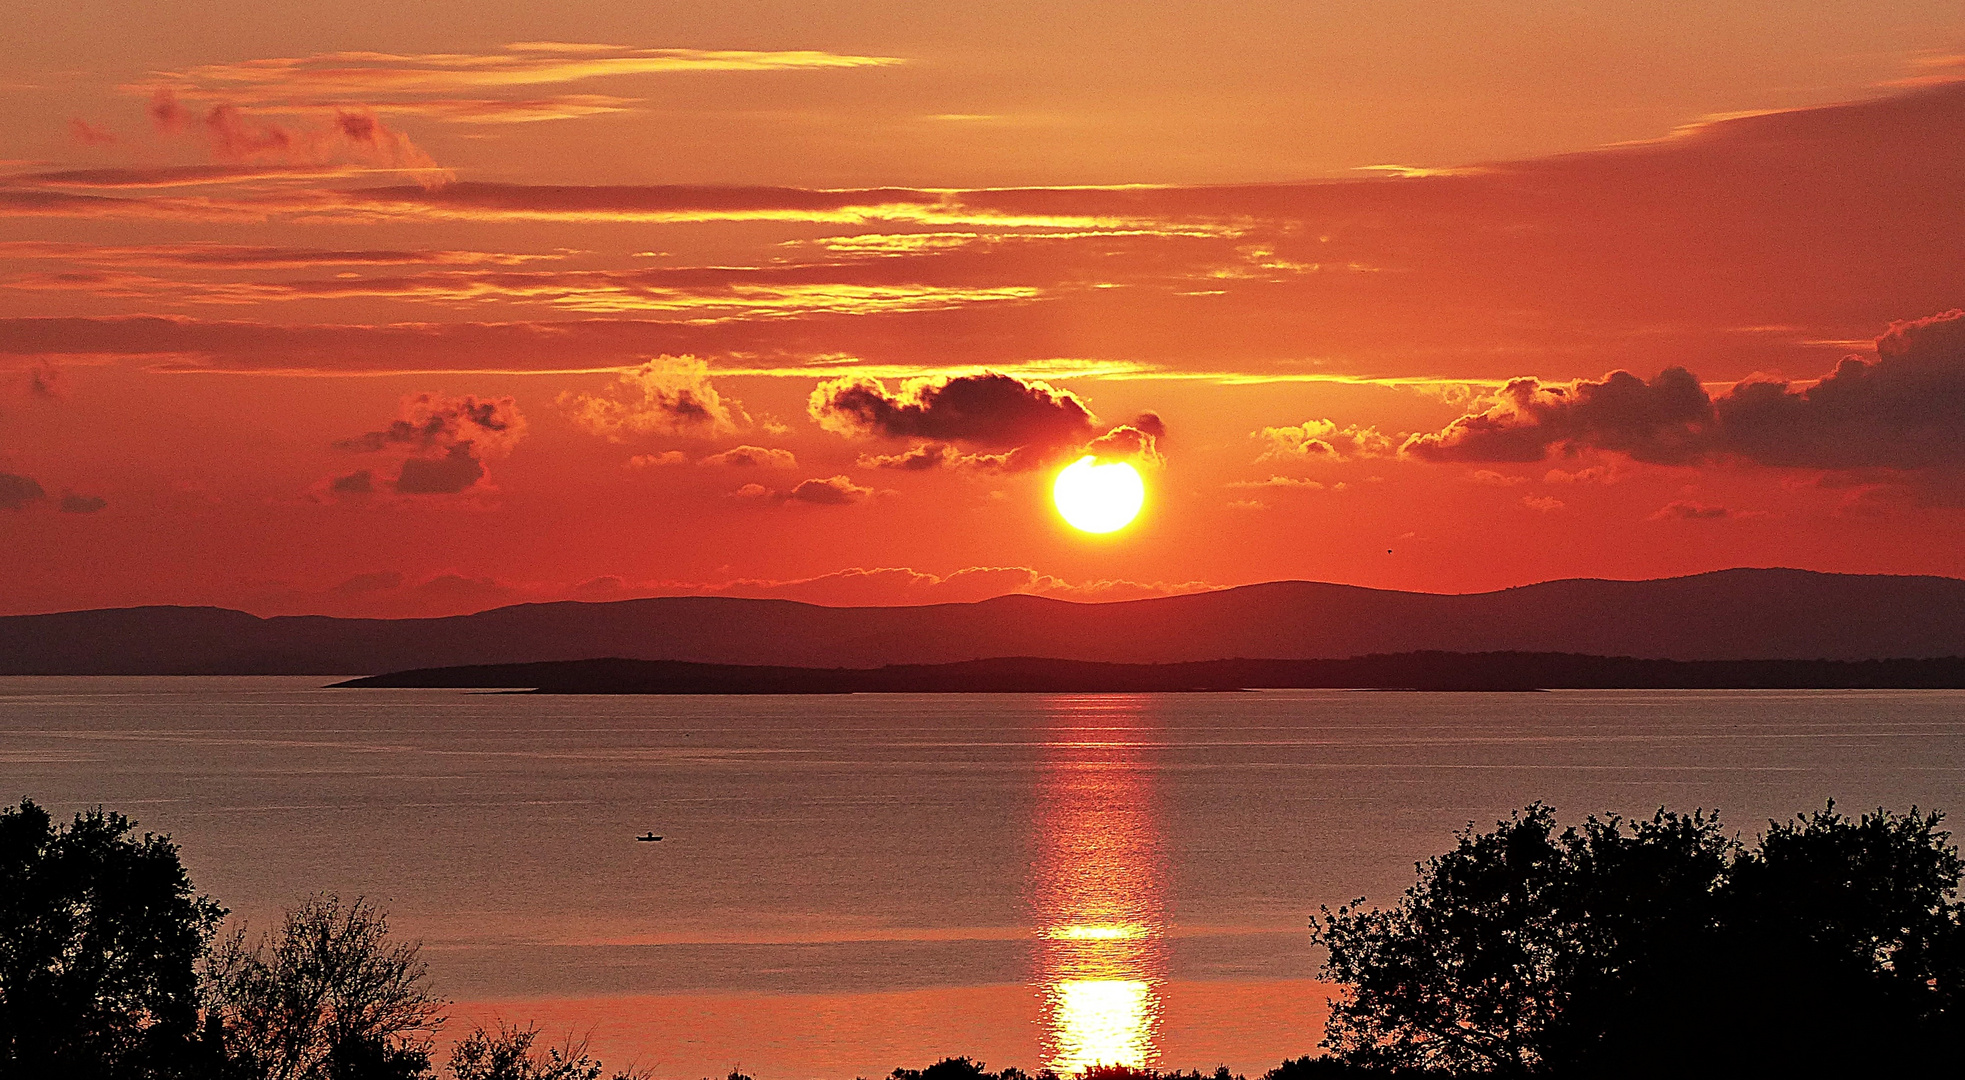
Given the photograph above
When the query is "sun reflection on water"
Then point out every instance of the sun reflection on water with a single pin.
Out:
(1098, 887)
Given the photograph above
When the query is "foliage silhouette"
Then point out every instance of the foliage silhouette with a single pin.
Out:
(1613, 949)
(329, 997)
(508, 1054)
(100, 935)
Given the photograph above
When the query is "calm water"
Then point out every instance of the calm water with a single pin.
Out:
(853, 883)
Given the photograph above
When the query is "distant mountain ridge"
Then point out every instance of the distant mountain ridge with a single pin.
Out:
(1744, 614)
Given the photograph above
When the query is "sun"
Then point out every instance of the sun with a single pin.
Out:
(1099, 498)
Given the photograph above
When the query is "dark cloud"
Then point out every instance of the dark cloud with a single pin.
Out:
(72, 503)
(918, 458)
(355, 483)
(448, 441)
(831, 491)
(365, 584)
(89, 134)
(45, 380)
(1666, 421)
(19, 492)
(1903, 410)
(455, 471)
(433, 422)
(1685, 510)
(989, 410)
(1014, 424)
(165, 111)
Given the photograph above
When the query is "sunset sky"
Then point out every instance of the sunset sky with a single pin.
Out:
(385, 309)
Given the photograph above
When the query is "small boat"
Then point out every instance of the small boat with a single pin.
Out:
(647, 838)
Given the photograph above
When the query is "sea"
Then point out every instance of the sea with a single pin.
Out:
(849, 884)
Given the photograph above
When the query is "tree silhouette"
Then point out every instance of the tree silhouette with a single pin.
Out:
(1659, 947)
(99, 939)
(329, 997)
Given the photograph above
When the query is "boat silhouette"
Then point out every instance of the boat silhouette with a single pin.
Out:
(647, 838)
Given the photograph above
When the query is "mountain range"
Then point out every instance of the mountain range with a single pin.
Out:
(1742, 614)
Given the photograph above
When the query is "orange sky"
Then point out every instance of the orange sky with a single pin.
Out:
(359, 310)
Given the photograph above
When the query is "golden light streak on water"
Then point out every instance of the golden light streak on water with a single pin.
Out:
(1098, 887)
(1104, 1022)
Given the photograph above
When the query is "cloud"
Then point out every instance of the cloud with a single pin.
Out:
(72, 503)
(1284, 482)
(210, 256)
(446, 441)
(652, 461)
(1543, 504)
(752, 457)
(351, 133)
(1686, 510)
(670, 395)
(732, 291)
(365, 76)
(363, 584)
(529, 110)
(1904, 410)
(88, 134)
(19, 492)
(139, 177)
(1137, 442)
(1031, 423)
(1664, 421)
(45, 380)
(902, 586)
(435, 422)
(1491, 478)
(1594, 474)
(457, 470)
(1898, 414)
(918, 458)
(1315, 440)
(165, 110)
(355, 483)
(393, 594)
(831, 491)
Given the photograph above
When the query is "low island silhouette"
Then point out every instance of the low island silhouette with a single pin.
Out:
(1426, 671)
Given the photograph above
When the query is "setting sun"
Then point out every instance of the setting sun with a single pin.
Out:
(1099, 498)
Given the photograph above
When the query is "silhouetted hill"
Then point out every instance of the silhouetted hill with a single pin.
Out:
(1727, 615)
(1021, 674)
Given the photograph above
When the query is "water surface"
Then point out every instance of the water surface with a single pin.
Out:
(847, 884)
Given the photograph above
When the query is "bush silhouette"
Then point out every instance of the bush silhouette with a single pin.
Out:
(1660, 947)
(100, 935)
(509, 1054)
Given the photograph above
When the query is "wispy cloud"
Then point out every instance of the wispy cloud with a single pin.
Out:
(599, 291)
(463, 87)
(367, 75)
(210, 256)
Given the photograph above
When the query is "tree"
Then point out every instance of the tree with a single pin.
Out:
(509, 1055)
(100, 934)
(1659, 947)
(1840, 951)
(329, 997)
